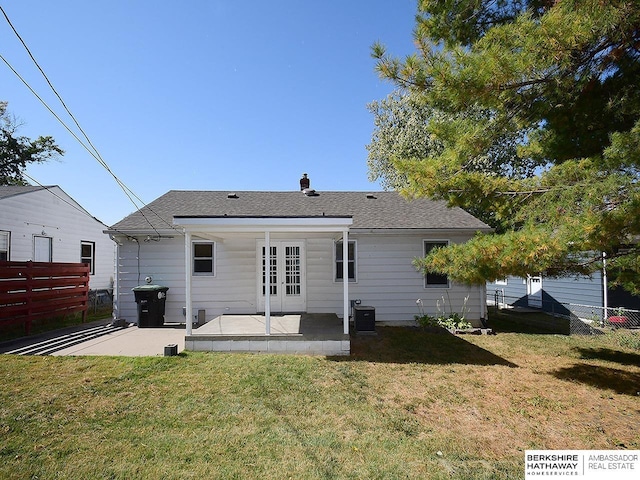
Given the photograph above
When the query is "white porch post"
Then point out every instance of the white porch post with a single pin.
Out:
(345, 280)
(267, 283)
(187, 293)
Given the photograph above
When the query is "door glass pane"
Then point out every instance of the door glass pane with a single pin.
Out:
(274, 271)
(292, 270)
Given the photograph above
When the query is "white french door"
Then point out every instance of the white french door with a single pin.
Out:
(287, 282)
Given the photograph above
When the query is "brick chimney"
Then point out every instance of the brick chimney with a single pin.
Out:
(304, 182)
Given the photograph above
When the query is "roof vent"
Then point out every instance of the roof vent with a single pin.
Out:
(371, 196)
(232, 195)
(310, 192)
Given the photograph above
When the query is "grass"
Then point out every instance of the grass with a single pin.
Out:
(406, 404)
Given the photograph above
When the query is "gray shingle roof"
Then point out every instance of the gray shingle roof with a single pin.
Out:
(386, 210)
(7, 191)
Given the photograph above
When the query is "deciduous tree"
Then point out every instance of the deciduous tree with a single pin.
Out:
(16, 152)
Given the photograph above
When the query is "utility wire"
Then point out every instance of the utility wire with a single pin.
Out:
(74, 205)
(84, 212)
(94, 152)
(73, 134)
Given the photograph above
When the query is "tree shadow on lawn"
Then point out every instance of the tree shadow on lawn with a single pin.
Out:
(609, 355)
(414, 345)
(620, 381)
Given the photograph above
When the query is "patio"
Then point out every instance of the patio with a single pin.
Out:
(307, 333)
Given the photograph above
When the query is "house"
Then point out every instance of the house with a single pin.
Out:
(208, 248)
(44, 224)
(579, 296)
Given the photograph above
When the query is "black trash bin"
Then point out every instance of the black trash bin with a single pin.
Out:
(365, 318)
(150, 300)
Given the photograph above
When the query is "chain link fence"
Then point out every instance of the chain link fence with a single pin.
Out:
(100, 301)
(568, 318)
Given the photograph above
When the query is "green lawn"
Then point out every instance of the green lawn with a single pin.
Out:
(406, 404)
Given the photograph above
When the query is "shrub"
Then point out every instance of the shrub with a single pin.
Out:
(450, 321)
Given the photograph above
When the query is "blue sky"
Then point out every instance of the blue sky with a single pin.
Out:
(201, 95)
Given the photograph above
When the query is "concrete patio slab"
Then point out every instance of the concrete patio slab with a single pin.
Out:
(289, 324)
(314, 334)
(131, 342)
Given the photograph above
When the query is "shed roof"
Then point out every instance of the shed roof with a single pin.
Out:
(378, 210)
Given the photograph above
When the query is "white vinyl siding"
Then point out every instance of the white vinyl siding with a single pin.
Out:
(62, 220)
(387, 279)
(231, 290)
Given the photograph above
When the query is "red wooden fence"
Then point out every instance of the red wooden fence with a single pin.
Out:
(38, 290)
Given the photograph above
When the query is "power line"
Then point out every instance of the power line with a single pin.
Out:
(74, 205)
(94, 153)
(78, 207)
(73, 134)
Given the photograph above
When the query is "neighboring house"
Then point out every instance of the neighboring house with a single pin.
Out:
(208, 247)
(563, 295)
(44, 224)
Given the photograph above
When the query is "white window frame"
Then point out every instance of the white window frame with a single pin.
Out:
(435, 242)
(7, 235)
(92, 259)
(338, 270)
(212, 273)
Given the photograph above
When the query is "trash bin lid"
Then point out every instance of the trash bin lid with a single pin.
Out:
(150, 288)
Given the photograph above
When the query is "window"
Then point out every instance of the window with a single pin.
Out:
(351, 265)
(435, 279)
(5, 241)
(42, 249)
(203, 258)
(87, 255)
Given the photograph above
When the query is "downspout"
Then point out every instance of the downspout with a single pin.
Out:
(115, 309)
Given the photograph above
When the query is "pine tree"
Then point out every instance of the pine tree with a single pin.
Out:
(536, 129)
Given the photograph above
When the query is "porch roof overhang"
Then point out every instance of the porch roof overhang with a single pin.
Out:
(219, 225)
(261, 224)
